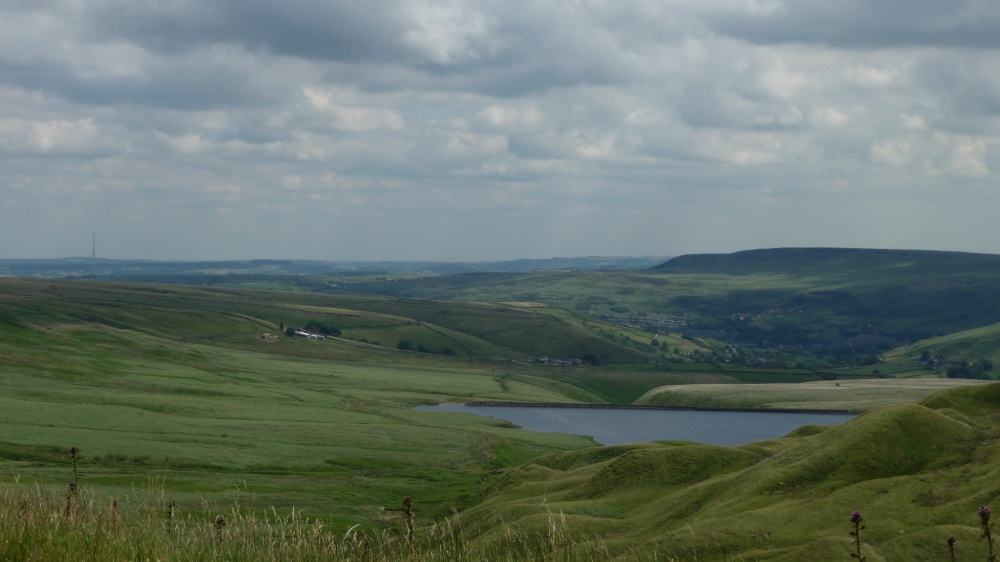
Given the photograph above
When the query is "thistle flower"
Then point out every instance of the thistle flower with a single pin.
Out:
(220, 523)
(951, 547)
(856, 520)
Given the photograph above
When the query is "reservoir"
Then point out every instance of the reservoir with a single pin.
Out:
(617, 426)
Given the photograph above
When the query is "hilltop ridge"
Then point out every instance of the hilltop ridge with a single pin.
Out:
(803, 260)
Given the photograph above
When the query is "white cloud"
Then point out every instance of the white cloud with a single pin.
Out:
(447, 32)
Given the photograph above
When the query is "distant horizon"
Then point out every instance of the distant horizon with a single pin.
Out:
(99, 258)
(445, 261)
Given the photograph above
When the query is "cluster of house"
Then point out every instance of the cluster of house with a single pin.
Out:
(558, 362)
(299, 333)
(309, 335)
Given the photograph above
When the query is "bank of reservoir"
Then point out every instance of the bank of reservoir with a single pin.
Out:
(617, 426)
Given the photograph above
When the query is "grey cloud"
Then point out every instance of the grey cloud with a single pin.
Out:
(313, 29)
(869, 23)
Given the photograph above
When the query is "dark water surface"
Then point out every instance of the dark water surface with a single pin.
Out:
(617, 426)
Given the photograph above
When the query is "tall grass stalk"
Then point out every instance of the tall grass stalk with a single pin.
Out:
(145, 526)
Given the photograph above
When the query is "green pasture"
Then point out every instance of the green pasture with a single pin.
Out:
(175, 386)
(971, 345)
(857, 395)
(338, 440)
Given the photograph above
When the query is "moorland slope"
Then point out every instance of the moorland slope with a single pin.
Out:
(917, 472)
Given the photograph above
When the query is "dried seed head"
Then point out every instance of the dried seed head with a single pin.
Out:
(985, 514)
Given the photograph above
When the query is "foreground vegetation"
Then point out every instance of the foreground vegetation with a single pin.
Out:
(36, 525)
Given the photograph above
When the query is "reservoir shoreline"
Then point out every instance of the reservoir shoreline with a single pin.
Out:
(650, 407)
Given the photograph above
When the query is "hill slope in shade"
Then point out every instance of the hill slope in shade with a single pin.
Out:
(831, 261)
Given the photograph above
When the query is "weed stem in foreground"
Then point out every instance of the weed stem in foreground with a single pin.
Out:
(986, 522)
(408, 504)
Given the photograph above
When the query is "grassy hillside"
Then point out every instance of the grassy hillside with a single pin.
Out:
(174, 386)
(917, 472)
(169, 393)
(820, 306)
(237, 318)
(858, 395)
(969, 345)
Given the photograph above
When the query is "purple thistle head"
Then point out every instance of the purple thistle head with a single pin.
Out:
(951, 541)
(220, 521)
(985, 514)
(856, 517)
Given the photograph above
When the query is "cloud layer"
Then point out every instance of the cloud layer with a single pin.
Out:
(468, 130)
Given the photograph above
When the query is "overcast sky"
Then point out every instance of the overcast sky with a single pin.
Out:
(486, 130)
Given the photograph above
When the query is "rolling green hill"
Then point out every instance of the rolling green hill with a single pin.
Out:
(831, 262)
(820, 306)
(237, 318)
(172, 388)
(968, 345)
(918, 473)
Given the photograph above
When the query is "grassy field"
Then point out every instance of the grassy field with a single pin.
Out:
(857, 395)
(175, 386)
(332, 439)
